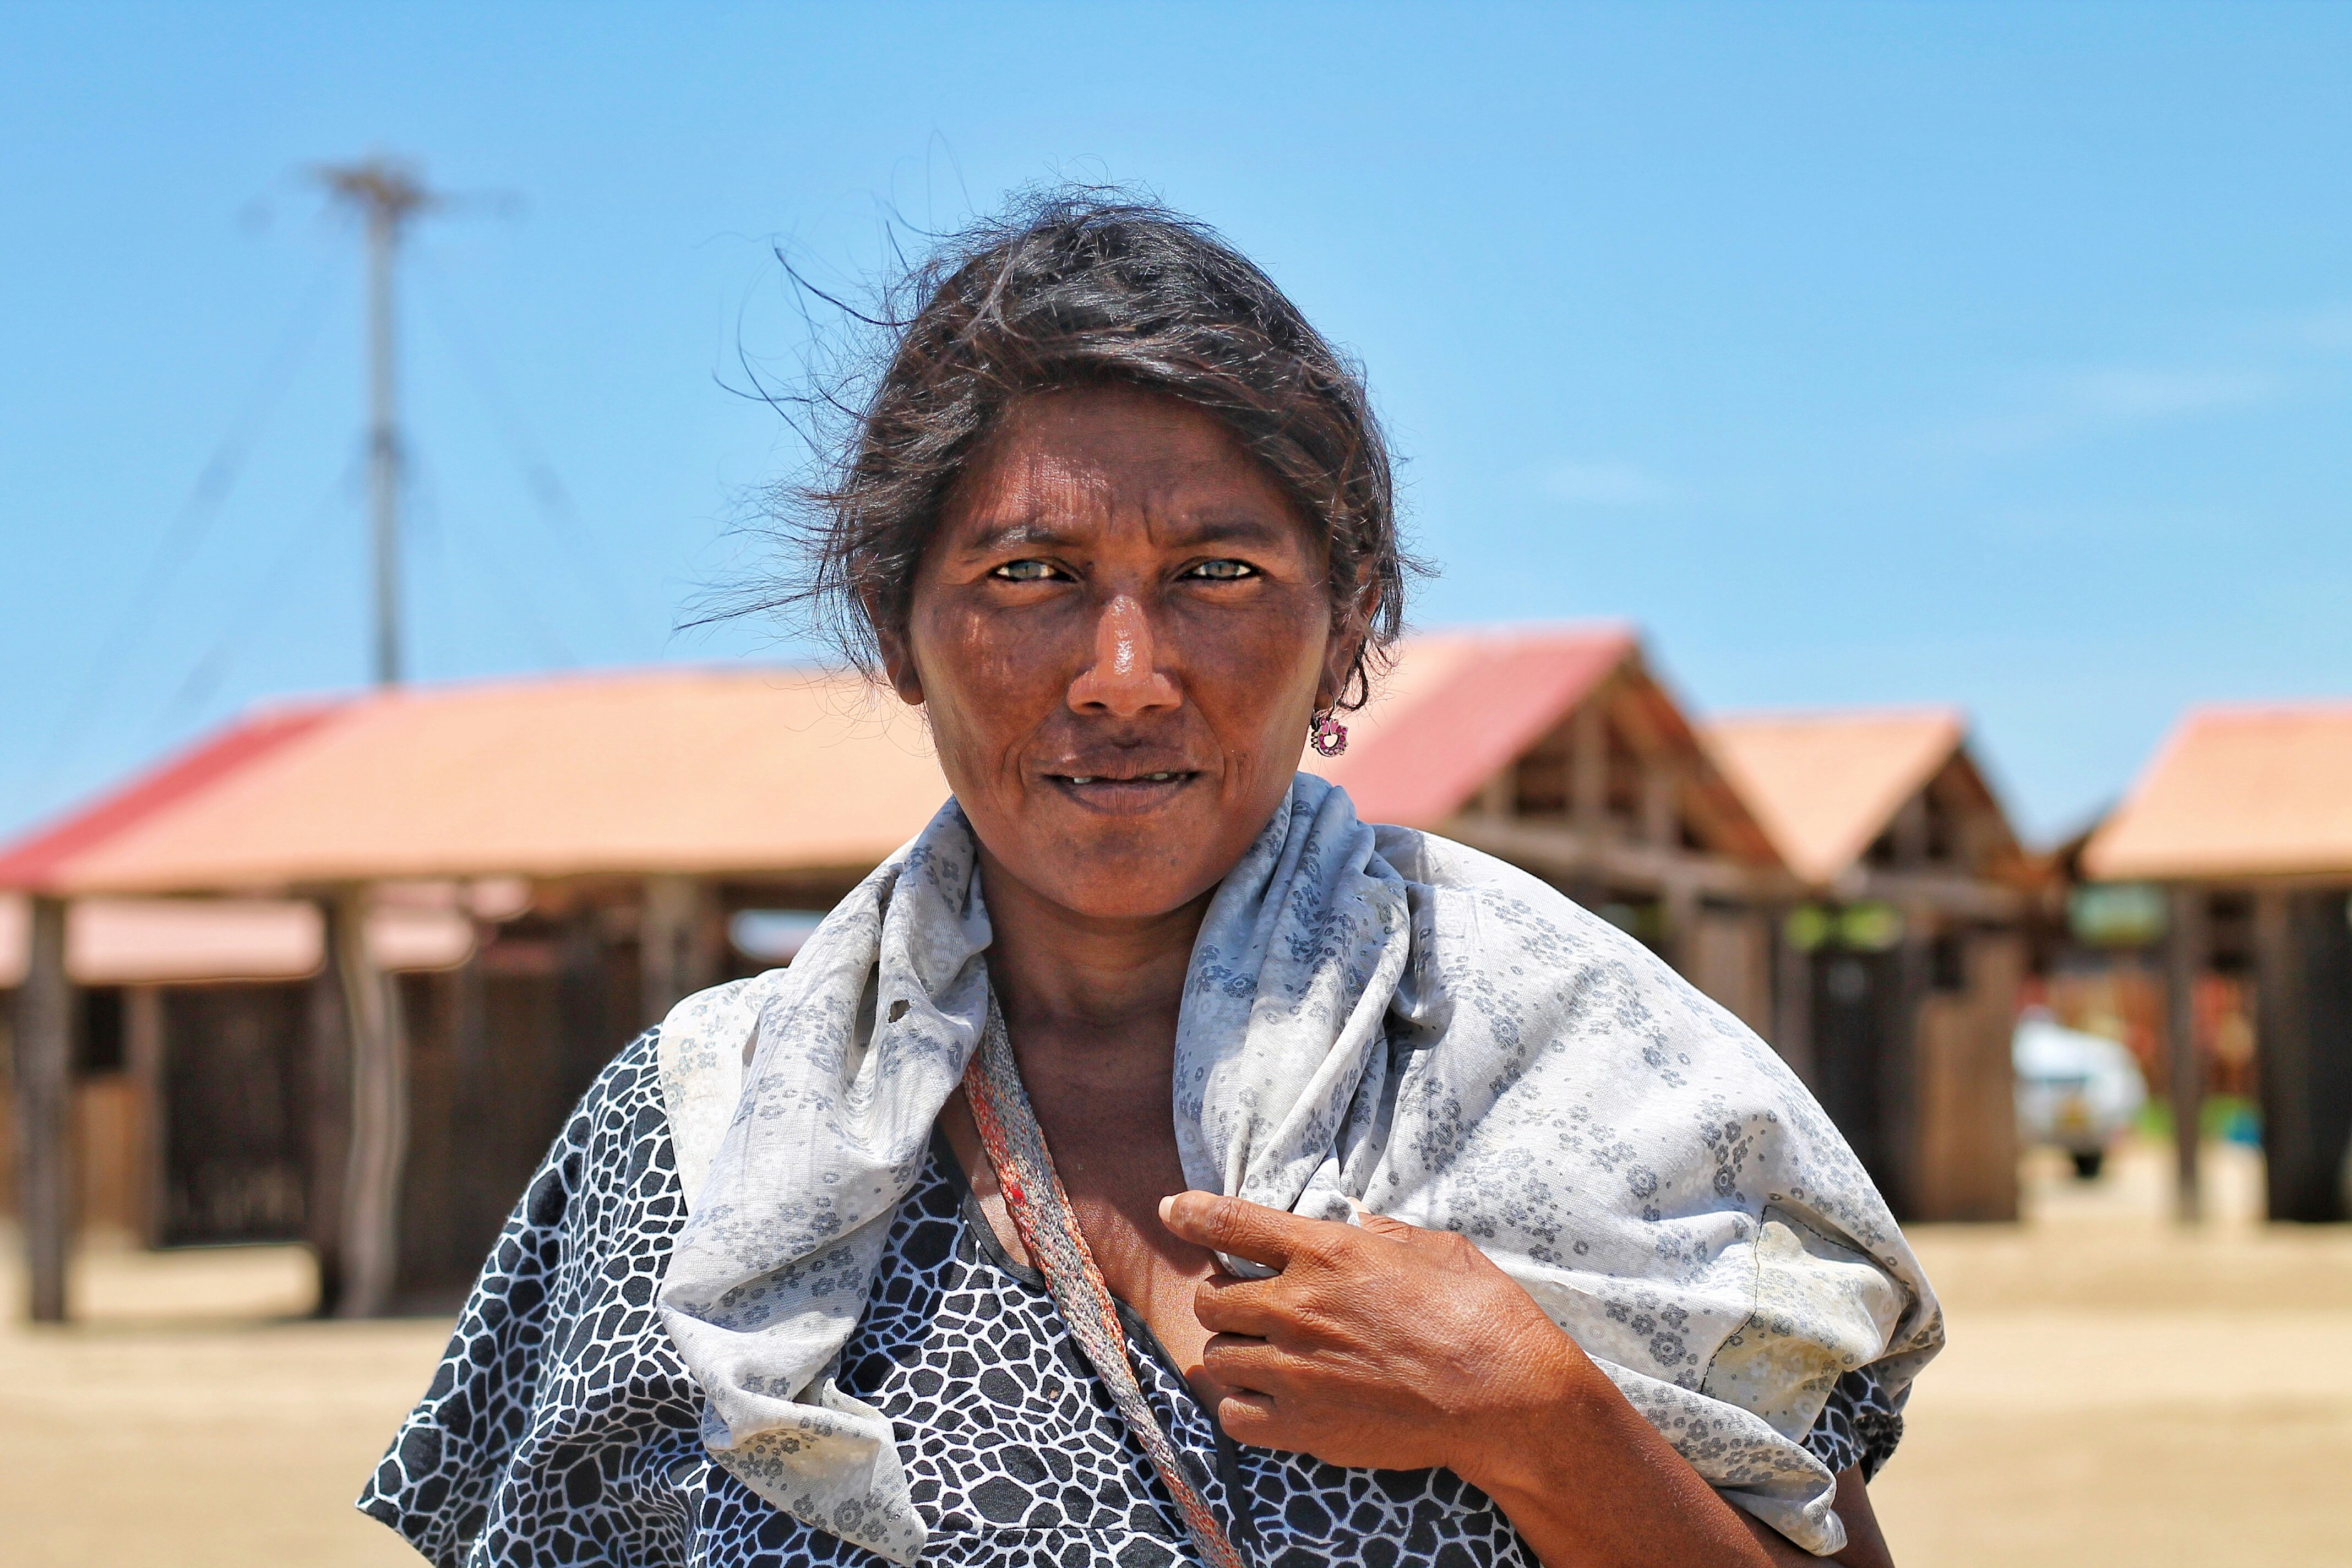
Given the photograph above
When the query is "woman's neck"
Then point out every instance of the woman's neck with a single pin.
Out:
(1076, 985)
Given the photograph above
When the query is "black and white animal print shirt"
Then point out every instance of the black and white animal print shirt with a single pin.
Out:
(561, 1427)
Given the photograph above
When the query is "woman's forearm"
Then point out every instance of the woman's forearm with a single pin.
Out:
(1592, 1484)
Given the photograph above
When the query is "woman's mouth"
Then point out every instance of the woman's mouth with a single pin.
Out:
(1121, 793)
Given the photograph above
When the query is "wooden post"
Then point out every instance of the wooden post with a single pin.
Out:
(1910, 829)
(1660, 826)
(379, 1136)
(1588, 765)
(2184, 962)
(479, 1112)
(591, 1006)
(2282, 1038)
(44, 1111)
(144, 1052)
(674, 947)
(326, 1135)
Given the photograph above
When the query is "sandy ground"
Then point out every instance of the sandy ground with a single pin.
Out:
(2117, 1393)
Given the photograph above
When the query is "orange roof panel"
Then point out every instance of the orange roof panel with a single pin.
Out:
(1826, 785)
(2237, 792)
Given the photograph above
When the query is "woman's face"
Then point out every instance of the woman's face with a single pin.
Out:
(1121, 630)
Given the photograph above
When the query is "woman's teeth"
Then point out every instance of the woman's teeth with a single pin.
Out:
(1139, 778)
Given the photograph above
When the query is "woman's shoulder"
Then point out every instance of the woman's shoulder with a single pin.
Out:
(607, 1186)
(625, 1106)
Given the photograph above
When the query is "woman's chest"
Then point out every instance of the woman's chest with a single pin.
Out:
(1116, 1174)
(1014, 1455)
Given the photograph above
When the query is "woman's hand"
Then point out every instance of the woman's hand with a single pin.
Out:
(1378, 1345)
(1383, 1346)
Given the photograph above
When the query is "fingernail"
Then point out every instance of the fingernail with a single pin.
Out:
(1166, 1207)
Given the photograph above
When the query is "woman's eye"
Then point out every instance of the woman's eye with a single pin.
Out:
(1223, 570)
(1024, 572)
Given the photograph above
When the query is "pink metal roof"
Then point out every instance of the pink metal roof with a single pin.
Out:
(36, 860)
(2237, 792)
(1826, 785)
(661, 769)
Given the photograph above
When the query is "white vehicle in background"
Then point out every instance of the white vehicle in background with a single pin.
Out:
(2076, 1091)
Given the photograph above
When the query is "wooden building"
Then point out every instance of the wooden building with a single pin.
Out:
(2245, 819)
(1898, 975)
(590, 838)
(229, 972)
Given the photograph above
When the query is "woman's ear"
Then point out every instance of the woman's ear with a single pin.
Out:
(1350, 632)
(897, 661)
(1338, 666)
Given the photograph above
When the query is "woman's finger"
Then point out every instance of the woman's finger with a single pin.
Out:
(1250, 1418)
(1240, 1228)
(1239, 1361)
(1226, 1305)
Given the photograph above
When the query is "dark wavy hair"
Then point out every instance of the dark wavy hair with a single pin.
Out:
(1072, 288)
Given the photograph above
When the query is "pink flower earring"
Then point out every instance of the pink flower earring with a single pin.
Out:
(1327, 735)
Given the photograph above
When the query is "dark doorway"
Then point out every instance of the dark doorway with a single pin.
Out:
(232, 1130)
(1856, 1011)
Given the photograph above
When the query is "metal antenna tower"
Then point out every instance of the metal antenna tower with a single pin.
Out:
(388, 194)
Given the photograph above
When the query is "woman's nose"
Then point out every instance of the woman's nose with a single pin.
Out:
(1124, 678)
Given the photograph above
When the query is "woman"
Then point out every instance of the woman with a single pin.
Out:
(1152, 1162)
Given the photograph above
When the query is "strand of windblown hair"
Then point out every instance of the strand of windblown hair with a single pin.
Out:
(1049, 1228)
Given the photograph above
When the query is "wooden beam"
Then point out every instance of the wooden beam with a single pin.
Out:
(379, 1135)
(44, 1033)
(1965, 1167)
(2186, 946)
(1563, 852)
(1952, 896)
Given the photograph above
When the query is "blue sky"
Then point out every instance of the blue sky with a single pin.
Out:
(1996, 356)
